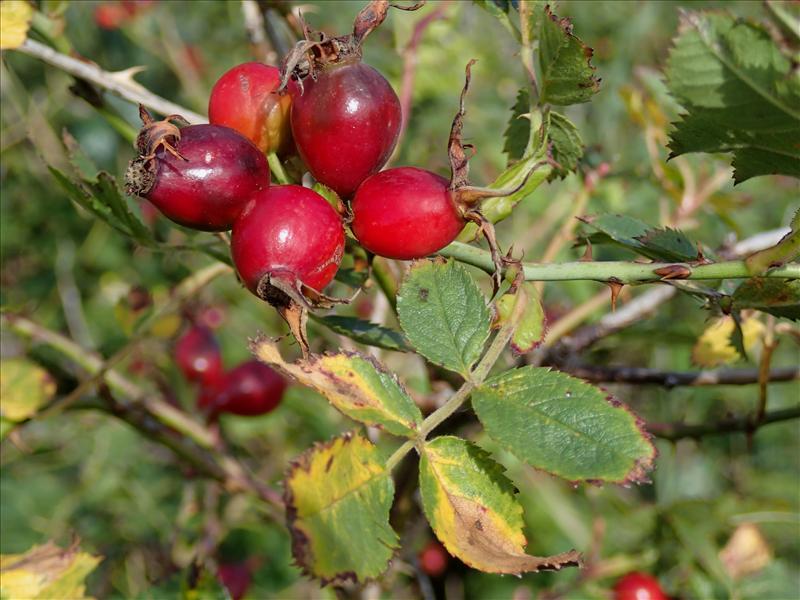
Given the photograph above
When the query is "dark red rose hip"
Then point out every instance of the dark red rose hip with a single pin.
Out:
(638, 586)
(201, 179)
(405, 213)
(289, 232)
(345, 124)
(198, 357)
(250, 389)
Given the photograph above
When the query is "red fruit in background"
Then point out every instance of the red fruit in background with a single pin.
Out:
(206, 191)
(345, 124)
(250, 389)
(638, 586)
(405, 213)
(287, 231)
(433, 559)
(110, 15)
(236, 577)
(198, 357)
(244, 99)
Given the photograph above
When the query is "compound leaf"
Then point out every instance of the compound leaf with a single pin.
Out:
(444, 314)
(739, 92)
(473, 510)
(566, 63)
(357, 385)
(564, 426)
(338, 496)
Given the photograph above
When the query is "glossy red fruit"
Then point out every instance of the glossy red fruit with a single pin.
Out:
(236, 577)
(244, 99)
(198, 357)
(638, 586)
(250, 389)
(287, 231)
(433, 559)
(405, 213)
(345, 124)
(206, 191)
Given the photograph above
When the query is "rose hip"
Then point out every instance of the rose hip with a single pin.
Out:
(198, 357)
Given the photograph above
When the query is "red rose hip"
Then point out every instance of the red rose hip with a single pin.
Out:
(638, 586)
(198, 357)
(287, 232)
(405, 213)
(199, 176)
(245, 99)
(250, 389)
(345, 124)
(433, 559)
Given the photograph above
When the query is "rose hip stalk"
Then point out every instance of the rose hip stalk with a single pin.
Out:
(407, 213)
(199, 176)
(246, 99)
(345, 115)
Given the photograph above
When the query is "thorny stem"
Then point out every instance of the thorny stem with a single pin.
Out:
(526, 52)
(644, 376)
(474, 379)
(120, 83)
(623, 272)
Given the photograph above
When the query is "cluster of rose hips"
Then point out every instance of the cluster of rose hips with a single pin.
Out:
(342, 118)
(250, 389)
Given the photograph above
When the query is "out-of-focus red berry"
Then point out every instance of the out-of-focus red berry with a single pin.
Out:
(236, 577)
(433, 559)
(638, 586)
(198, 357)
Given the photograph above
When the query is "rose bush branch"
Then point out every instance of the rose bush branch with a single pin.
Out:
(642, 376)
(120, 83)
(614, 271)
(677, 431)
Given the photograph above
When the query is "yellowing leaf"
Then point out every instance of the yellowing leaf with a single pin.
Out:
(473, 510)
(15, 18)
(530, 330)
(357, 385)
(714, 348)
(24, 388)
(338, 497)
(746, 552)
(46, 572)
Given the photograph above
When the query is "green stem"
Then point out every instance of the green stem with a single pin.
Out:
(476, 377)
(622, 272)
(386, 281)
(277, 169)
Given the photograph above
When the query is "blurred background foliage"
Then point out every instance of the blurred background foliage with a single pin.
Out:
(129, 500)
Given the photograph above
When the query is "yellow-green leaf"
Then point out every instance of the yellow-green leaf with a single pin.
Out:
(24, 388)
(357, 385)
(338, 497)
(15, 18)
(46, 572)
(530, 330)
(714, 348)
(472, 508)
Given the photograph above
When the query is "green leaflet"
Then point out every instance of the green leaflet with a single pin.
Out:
(473, 509)
(787, 249)
(740, 95)
(444, 314)
(530, 330)
(562, 425)
(565, 62)
(357, 385)
(364, 332)
(338, 498)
